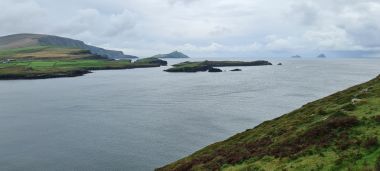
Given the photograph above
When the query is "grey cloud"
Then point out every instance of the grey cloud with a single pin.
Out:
(203, 27)
(305, 12)
(20, 16)
(181, 1)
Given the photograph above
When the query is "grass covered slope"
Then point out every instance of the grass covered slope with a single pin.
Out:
(26, 40)
(338, 132)
(45, 52)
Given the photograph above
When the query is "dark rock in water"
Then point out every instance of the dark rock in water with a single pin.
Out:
(152, 60)
(321, 56)
(214, 70)
(236, 69)
(279, 63)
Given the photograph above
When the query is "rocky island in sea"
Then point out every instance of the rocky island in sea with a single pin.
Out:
(296, 56)
(174, 54)
(210, 65)
(321, 56)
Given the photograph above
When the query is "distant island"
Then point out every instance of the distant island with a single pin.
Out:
(338, 132)
(209, 65)
(321, 56)
(35, 56)
(174, 54)
(296, 56)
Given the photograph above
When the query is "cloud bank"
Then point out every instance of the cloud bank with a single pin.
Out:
(205, 27)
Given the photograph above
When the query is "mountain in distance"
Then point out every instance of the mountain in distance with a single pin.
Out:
(32, 40)
(321, 56)
(174, 54)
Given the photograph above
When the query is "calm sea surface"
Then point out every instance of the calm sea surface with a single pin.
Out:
(141, 119)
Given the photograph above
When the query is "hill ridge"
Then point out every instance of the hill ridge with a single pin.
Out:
(27, 39)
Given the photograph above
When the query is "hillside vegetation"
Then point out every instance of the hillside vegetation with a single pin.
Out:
(46, 52)
(338, 132)
(17, 41)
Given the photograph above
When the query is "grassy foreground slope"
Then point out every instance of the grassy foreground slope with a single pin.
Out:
(338, 132)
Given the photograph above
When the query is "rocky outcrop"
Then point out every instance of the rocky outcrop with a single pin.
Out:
(152, 60)
(214, 70)
(207, 65)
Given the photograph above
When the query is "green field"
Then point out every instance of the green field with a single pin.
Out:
(53, 68)
(45, 52)
(84, 64)
(338, 132)
(62, 68)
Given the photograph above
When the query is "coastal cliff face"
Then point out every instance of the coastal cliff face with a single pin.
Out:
(338, 132)
(26, 40)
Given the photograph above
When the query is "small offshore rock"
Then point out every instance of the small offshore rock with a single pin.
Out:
(214, 70)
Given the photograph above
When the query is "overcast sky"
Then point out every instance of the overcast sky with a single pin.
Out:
(206, 28)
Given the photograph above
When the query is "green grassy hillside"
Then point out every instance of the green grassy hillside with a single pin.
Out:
(45, 52)
(27, 41)
(338, 132)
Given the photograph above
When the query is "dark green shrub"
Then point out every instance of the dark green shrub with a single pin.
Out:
(321, 111)
(349, 107)
(376, 118)
(370, 142)
(377, 165)
(338, 113)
